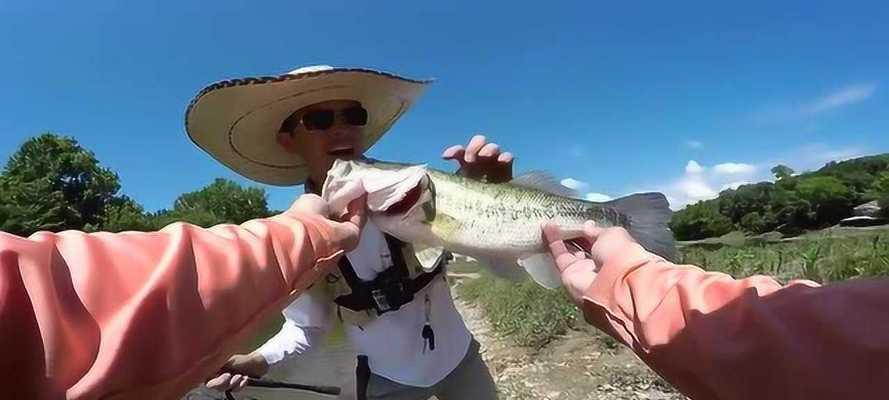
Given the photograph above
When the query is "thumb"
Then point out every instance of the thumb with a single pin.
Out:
(553, 239)
(349, 230)
(356, 212)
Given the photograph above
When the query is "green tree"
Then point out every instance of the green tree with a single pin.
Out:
(52, 183)
(795, 216)
(753, 222)
(782, 171)
(223, 201)
(830, 198)
(699, 221)
(735, 204)
(124, 214)
(881, 183)
(883, 202)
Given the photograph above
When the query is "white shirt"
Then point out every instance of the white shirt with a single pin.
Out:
(392, 342)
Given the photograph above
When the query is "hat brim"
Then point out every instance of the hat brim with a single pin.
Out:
(237, 121)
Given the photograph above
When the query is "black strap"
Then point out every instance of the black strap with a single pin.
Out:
(362, 377)
(362, 298)
(397, 255)
(423, 279)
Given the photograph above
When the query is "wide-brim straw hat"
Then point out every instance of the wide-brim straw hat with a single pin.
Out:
(236, 121)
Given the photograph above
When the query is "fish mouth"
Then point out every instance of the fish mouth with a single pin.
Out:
(404, 205)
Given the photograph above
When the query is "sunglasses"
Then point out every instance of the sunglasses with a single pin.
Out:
(324, 119)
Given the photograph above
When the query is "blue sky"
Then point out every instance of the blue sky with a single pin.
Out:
(682, 98)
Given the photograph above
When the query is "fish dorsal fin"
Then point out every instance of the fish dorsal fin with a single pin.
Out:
(541, 180)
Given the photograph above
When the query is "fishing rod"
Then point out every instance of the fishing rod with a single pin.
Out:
(268, 383)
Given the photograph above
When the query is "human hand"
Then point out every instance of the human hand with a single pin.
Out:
(346, 227)
(233, 375)
(481, 160)
(576, 269)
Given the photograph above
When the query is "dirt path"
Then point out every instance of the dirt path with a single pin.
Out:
(581, 365)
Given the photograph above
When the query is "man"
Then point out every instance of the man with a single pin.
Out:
(287, 130)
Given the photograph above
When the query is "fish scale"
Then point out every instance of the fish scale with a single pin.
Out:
(505, 216)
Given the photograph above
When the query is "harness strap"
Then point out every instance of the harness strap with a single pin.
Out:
(365, 295)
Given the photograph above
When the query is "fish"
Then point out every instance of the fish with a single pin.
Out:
(498, 224)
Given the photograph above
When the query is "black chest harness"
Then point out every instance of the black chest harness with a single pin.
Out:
(390, 289)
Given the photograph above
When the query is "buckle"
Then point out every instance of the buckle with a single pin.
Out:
(381, 301)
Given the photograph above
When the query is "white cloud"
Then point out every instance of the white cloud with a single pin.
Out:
(794, 111)
(574, 184)
(733, 185)
(699, 182)
(696, 189)
(693, 167)
(694, 144)
(814, 155)
(581, 186)
(734, 168)
(840, 154)
(844, 96)
(599, 197)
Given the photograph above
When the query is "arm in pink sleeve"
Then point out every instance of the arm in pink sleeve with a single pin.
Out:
(145, 315)
(715, 337)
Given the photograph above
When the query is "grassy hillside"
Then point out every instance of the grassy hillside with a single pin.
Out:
(533, 316)
(792, 204)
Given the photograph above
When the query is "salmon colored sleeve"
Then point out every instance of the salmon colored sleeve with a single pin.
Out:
(715, 337)
(145, 314)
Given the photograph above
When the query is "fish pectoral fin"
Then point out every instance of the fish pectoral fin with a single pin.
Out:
(542, 269)
(429, 257)
(444, 225)
(504, 269)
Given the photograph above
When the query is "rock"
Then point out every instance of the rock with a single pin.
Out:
(870, 209)
(863, 221)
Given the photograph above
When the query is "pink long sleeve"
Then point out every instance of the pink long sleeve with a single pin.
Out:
(716, 337)
(145, 315)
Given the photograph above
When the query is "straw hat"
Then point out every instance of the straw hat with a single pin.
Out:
(236, 121)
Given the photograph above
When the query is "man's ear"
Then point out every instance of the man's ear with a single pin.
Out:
(286, 141)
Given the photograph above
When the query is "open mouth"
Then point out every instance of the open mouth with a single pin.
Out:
(341, 152)
(404, 205)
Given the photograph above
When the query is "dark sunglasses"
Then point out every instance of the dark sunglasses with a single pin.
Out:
(324, 119)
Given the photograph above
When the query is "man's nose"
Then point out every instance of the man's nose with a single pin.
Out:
(340, 129)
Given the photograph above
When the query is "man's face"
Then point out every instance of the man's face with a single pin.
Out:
(321, 137)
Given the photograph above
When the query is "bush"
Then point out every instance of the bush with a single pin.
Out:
(753, 222)
(700, 221)
(883, 202)
(526, 312)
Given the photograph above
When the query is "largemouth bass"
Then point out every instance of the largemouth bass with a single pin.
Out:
(497, 224)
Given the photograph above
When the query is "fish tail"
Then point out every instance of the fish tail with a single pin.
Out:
(649, 215)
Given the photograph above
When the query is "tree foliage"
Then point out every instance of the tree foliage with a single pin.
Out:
(791, 204)
(52, 183)
(782, 171)
(699, 221)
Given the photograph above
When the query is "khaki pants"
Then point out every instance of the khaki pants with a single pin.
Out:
(470, 380)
